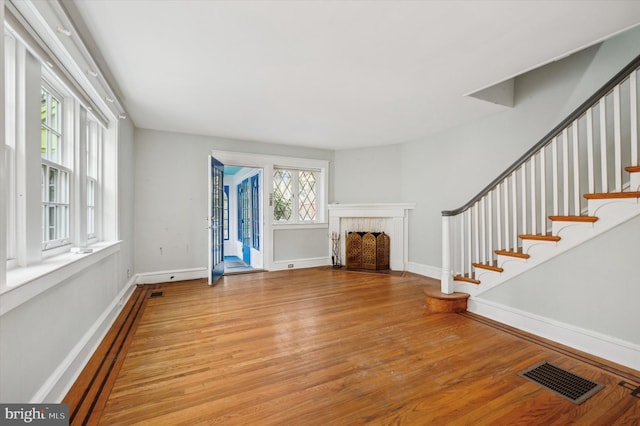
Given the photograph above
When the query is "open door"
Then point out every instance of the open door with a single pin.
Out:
(216, 207)
(244, 204)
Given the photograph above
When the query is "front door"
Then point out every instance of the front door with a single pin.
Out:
(216, 210)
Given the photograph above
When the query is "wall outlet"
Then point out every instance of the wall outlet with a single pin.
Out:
(290, 265)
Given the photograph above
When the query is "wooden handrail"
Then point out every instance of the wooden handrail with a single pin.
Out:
(603, 91)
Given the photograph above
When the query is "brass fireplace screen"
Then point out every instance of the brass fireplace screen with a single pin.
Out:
(367, 250)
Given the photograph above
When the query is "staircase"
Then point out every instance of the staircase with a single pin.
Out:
(580, 180)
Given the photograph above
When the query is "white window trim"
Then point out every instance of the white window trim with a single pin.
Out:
(295, 189)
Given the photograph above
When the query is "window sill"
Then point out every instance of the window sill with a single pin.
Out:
(315, 225)
(24, 283)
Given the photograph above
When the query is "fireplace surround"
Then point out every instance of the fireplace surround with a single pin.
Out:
(392, 219)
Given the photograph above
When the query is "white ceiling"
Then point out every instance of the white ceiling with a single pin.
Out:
(331, 74)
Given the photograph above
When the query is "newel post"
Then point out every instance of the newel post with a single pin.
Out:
(446, 283)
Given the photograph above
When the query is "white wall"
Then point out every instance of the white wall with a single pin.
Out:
(444, 171)
(46, 340)
(171, 195)
(593, 286)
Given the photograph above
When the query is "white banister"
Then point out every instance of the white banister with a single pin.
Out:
(633, 107)
(617, 140)
(514, 202)
(490, 226)
(565, 171)
(532, 182)
(499, 216)
(576, 170)
(477, 228)
(523, 188)
(554, 167)
(507, 226)
(483, 229)
(543, 191)
(591, 173)
(603, 146)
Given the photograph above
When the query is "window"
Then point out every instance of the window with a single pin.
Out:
(225, 213)
(294, 195)
(54, 175)
(255, 212)
(10, 143)
(94, 149)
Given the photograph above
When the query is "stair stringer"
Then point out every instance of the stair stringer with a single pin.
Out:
(610, 213)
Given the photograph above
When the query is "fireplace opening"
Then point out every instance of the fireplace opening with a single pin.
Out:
(367, 250)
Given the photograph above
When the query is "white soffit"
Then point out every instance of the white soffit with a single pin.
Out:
(332, 74)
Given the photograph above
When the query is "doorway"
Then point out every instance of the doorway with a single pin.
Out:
(243, 221)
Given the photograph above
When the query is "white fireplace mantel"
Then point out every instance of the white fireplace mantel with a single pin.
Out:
(392, 218)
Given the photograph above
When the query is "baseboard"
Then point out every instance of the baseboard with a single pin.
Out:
(311, 262)
(169, 276)
(600, 345)
(426, 270)
(63, 377)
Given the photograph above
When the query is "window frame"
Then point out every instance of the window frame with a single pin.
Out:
(10, 162)
(295, 197)
(63, 201)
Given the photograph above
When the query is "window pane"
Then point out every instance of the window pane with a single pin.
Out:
(43, 106)
(53, 180)
(43, 142)
(307, 197)
(55, 121)
(54, 154)
(282, 195)
(52, 223)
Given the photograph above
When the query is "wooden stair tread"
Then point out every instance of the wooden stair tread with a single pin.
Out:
(553, 238)
(589, 219)
(518, 253)
(469, 279)
(612, 195)
(633, 169)
(489, 267)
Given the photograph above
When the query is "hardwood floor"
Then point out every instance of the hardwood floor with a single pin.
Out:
(318, 346)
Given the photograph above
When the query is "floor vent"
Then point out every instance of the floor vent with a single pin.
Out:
(156, 294)
(561, 382)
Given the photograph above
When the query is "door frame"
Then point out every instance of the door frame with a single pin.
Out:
(267, 163)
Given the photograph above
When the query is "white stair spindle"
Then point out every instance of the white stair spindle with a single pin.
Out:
(576, 170)
(554, 167)
(477, 233)
(633, 100)
(507, 227)
(490, 226)
(543, 191)
(617, 139)
(462, 267)
(523, 200)
(499, 216)
(469, 239)
(603, 146)
(565, 171)
(534, 219)
(483, 230)
(591, 173)
(514, 202)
